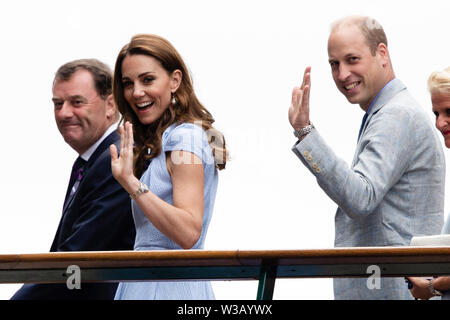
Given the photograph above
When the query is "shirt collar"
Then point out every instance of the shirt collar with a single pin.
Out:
(88, 153)
(387, 85)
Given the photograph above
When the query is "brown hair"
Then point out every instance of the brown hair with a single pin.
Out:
(186, 109)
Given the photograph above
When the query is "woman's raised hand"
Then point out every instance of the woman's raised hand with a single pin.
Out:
(122, 165)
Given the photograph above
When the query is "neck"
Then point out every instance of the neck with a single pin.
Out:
(83, 149)
(387, 78)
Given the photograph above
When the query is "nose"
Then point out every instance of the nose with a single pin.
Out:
(441, 122)
(65, 112)
(343, 72)
(138, 91)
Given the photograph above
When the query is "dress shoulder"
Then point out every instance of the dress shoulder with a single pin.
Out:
(188, 137)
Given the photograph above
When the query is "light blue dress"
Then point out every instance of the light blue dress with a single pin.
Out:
(186, 137)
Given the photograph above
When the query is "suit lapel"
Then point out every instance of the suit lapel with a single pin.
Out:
(390, 91)
(109, 140)
(112, 138)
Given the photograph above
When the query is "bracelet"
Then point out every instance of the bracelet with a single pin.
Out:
(143, 188)
(303, 131)
(433, 291)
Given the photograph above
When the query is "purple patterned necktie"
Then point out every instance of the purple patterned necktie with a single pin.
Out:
(79, 176)
(75, 178)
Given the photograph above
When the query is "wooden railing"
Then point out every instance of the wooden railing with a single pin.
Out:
(262, 265)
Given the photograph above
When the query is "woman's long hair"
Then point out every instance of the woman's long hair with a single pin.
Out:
(186, 109)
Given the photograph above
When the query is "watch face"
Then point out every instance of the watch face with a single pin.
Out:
(303, 131)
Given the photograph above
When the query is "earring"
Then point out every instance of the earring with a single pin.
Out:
(174, 100)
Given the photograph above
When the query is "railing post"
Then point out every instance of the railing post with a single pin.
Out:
(266, 283)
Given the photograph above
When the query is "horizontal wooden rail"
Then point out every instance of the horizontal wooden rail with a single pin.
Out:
(262, 265)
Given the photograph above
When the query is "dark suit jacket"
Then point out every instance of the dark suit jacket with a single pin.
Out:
(98, 218)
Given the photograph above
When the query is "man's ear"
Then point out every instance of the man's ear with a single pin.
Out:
(175, 80)
(111, 109)
(383, 53)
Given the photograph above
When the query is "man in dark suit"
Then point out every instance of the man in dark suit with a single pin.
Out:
(97, 210)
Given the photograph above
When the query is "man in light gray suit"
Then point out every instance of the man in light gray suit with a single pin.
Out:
(394, 188)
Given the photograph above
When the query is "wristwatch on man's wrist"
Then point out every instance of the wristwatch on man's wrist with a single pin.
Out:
(303, 131)
(143, 188)
(433, 291)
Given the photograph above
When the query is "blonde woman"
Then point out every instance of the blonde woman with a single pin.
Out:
(439, 87)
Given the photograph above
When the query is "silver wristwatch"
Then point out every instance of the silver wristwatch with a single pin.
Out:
(303, 131)
(142, 189)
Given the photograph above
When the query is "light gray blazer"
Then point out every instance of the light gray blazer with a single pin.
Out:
(394, 189)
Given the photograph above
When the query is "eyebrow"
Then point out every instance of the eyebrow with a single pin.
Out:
(348, 55)
(141, 75)
(77, 96)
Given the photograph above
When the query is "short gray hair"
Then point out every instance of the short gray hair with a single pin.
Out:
(101, 74)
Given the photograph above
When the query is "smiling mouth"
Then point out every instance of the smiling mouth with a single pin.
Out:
(352, 85)
(144, 105)
(66, 125)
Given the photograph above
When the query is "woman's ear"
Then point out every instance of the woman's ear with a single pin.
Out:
(175, 80)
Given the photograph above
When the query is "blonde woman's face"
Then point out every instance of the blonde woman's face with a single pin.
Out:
(441, 109)
(147, 87)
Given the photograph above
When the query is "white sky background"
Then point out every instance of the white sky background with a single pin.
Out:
(245, 58)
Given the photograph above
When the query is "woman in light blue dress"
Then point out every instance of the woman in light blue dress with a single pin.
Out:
(169, 142)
